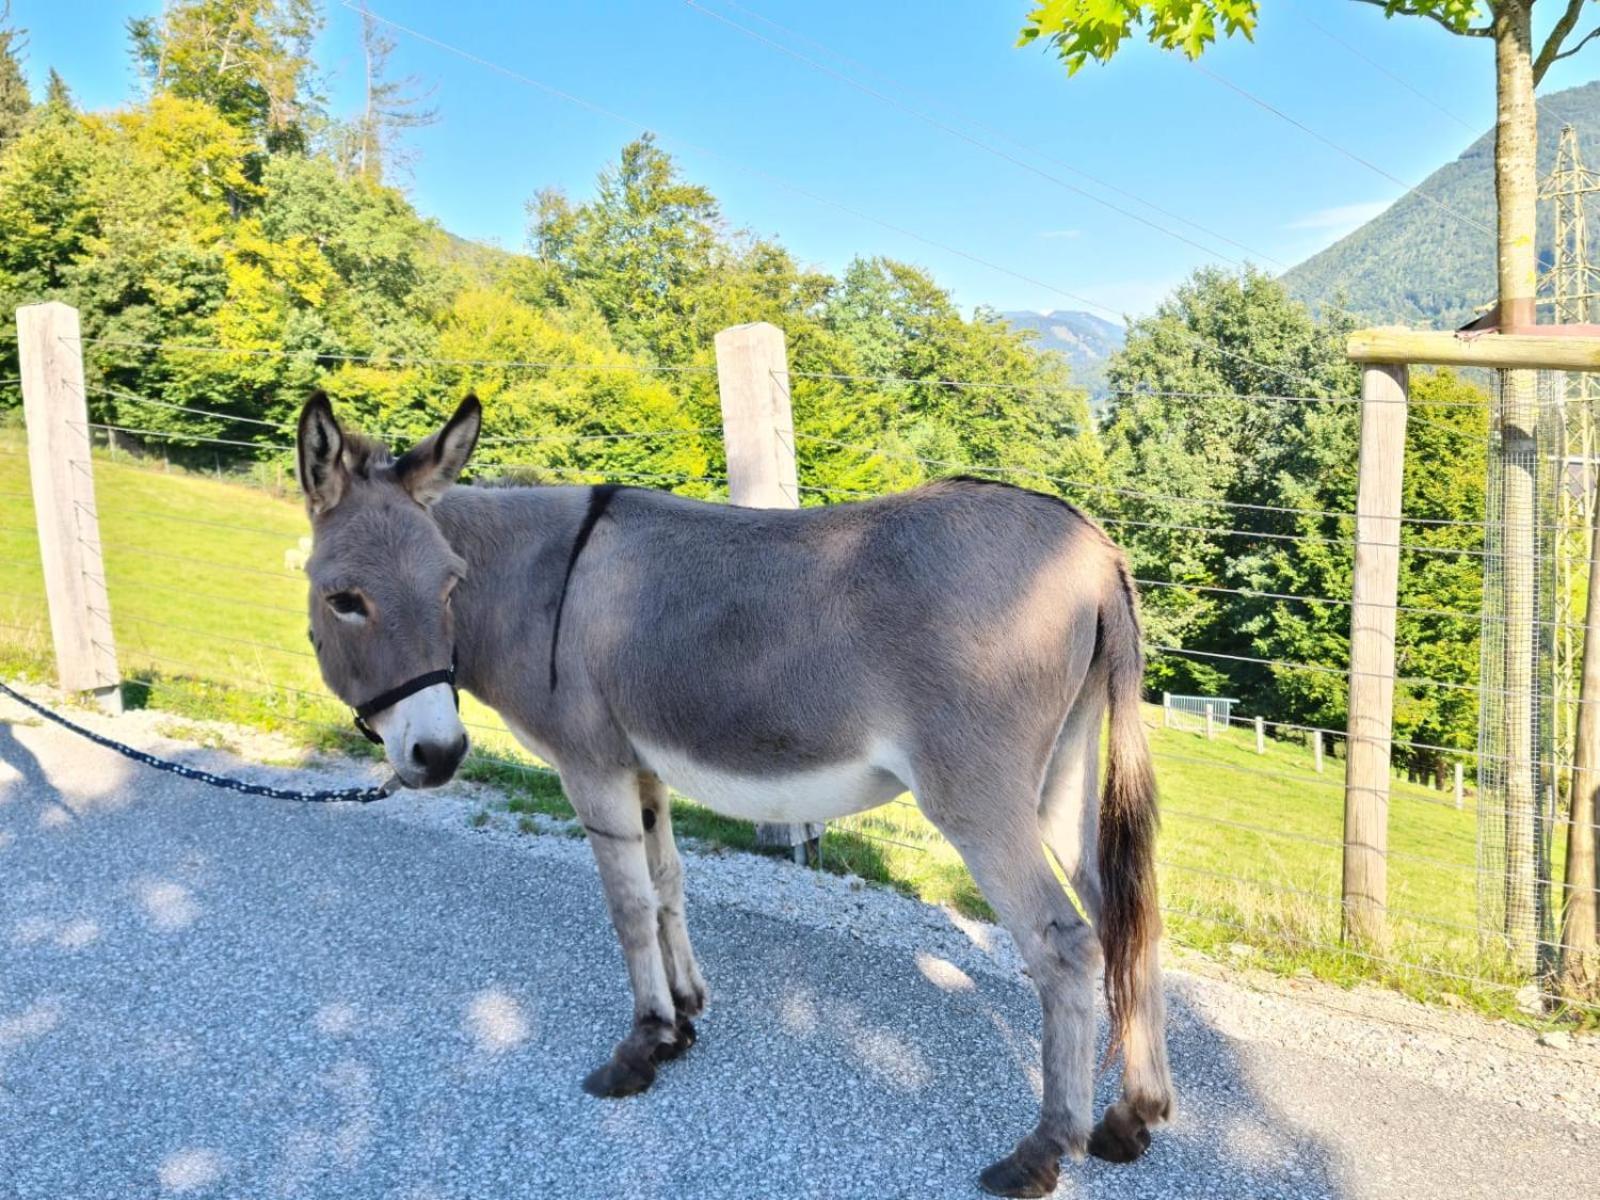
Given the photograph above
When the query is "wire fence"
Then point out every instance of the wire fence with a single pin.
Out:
(208, 609)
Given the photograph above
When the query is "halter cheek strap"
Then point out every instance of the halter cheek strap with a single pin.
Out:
(396, 694)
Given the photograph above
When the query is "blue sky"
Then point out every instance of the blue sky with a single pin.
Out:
(833, 171)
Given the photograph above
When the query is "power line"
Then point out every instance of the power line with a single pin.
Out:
(779, 181)
(1387, 73)
(952, 131)
(1002, 136)
(1338, 148)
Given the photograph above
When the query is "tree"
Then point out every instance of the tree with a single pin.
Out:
(1081, 30)
(1192, 459)
(392, 106)
(15, 103)
(57, 94)
(249, 59)
(644, 249)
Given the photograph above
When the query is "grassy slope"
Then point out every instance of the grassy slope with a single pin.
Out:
(229, 641)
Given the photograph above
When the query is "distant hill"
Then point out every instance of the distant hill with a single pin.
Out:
(1416, 264)
(1085, 340)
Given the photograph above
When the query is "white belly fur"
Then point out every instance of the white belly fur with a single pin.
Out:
(819, 794)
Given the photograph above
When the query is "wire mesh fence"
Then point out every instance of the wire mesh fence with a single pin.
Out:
(1517, 709)
(208, 612)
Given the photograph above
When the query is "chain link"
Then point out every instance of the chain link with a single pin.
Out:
(353, 795)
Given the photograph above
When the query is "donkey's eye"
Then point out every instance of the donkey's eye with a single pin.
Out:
(348, 605)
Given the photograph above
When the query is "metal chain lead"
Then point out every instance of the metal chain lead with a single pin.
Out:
(354, 795)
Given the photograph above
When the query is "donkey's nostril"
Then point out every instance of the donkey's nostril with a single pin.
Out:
(439, 760)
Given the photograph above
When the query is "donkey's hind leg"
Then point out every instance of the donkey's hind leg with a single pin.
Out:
(684, 980)
(1069, 804)
(1069, 811)
(607, 802)
(1005, 856)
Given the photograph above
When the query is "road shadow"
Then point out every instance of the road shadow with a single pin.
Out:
(31, 794)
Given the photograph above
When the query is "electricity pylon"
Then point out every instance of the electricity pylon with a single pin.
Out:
(1574, 288)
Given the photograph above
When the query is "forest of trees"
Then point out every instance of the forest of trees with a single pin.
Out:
(231, 243)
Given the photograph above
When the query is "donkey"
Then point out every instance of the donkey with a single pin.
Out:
(962, 641)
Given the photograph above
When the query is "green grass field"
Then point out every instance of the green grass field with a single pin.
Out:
(210, 622)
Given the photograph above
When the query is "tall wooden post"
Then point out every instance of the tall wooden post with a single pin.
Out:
(1375, 591)
(1580, 963)
(50, 353)
(1261, 735)
(758, 438)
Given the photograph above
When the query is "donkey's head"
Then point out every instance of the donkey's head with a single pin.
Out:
(381, 578)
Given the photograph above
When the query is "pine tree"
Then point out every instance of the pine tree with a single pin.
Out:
(393, 106)
(15, 103)
(57, 95)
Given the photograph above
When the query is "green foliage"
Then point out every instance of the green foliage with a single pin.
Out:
(1080, 30)
(56, 93)
(1202, 458)
(1084, 29)
(15, 103)
(1279, 470)
(248, 59)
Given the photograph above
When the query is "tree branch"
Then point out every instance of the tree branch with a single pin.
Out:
(1552, 52)
(1404, 10)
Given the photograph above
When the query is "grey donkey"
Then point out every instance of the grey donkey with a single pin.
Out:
(963, 641)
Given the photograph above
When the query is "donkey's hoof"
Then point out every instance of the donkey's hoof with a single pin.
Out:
(1015, 1176)
(620, 1077)
(1121, 1136)
(684, 1036)
(693, 1002)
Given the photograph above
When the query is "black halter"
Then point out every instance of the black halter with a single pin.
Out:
(396, 694)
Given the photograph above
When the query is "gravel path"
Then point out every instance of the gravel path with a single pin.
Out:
(209, 995)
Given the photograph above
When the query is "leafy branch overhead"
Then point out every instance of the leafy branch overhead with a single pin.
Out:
(1081, 30)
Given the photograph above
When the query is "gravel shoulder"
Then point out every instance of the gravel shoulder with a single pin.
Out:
(208, 994)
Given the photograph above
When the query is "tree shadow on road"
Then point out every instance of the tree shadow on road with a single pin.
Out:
(34, 788)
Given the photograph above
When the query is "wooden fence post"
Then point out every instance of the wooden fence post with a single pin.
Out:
(1316, 750)
(1211, 723)
(50, 353)
(1374, 595)
(1261, 735)
(758, 439)
(1580, 911)
(1166, 710)
(1461, 790)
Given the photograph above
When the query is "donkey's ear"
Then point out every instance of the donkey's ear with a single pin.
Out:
(429, 468)
(323, 476)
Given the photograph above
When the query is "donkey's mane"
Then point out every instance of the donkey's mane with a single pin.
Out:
(364, 455)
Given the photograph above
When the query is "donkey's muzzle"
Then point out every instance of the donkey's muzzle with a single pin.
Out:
(438, 760)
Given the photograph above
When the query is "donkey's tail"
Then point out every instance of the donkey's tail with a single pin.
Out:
(1130, 922)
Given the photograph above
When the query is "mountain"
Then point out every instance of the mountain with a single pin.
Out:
(1085, 340)
(1418, 264)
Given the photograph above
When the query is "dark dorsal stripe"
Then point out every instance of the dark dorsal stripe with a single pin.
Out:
(599, 500)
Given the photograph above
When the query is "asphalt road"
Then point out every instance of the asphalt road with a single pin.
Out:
(212, 995)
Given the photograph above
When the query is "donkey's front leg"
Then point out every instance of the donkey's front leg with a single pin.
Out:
(607, 803)
(688, 986)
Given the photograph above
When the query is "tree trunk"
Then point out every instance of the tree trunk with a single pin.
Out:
(1579, 966)
(1516, 191)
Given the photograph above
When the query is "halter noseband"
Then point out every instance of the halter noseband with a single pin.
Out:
(396, 694)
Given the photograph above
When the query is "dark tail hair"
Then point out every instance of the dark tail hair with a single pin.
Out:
(1130, 920)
